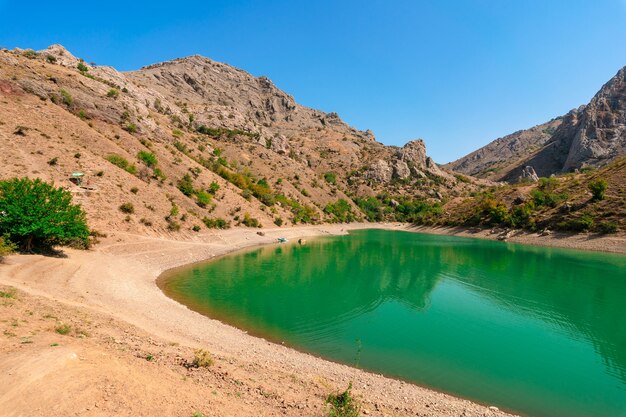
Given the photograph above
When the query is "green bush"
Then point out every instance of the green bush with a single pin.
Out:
(185, 185)
(582, 224)
(130, 128)
(598, 189)
(340, 210)
(82, 67)
(204, 198)
(217, 223)
(371, 207)
(607, 227)
(343, 404)
(66, 97)
(330, 178)
(148, 158)
(35, 214)
(113, 93)
(121, 162)
(214, 187)
(249, 221)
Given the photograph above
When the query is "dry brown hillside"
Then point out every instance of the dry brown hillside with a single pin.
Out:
(172, 144)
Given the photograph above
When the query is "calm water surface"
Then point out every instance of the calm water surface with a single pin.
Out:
(539, 331)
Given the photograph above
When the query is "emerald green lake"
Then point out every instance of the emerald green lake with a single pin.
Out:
(539, 331)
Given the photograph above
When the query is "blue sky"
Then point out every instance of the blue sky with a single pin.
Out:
(456, 73)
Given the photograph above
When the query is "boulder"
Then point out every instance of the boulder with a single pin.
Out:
(528, 174)
(401, 170)
(280, 144)
(380, 171)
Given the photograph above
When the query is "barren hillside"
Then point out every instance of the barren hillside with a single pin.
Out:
(192, 143)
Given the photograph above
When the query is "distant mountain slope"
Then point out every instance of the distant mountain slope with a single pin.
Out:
(592, 135)
(505, 153)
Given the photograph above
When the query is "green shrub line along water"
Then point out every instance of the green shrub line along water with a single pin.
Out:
(540, 331)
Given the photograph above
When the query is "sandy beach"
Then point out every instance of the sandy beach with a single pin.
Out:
(111, 291)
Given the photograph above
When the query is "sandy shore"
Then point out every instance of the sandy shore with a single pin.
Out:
(118, 280)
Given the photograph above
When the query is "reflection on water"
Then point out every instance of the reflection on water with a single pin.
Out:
(538, 330)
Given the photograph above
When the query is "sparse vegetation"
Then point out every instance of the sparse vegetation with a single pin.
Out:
(113, 93)
(63, 329)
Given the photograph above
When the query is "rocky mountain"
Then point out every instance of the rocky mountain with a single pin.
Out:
(193, 142)
(590, 136)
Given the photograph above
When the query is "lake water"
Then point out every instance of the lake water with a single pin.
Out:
(539, 331)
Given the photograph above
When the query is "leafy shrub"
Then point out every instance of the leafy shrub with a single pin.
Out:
(148, 158)
(371, 207)
(343, 404)
(127, 208)
(249, 221)
(330, 178)
(82, 67)
(51, 59)
(113, 93)
(204, 198)
(185, 185)
(214, 187)
(63, 329)
(121, 162)
(584, 223)
(598, 189)
(217, 223)
(173, 226)
(195, 228)
(340, 210)
(66, 97)
(607, 227)
(36, 214)
(545, 197)
(53, 161)
(278, 221)
(134, 190)
(130, 128)
(202, 359)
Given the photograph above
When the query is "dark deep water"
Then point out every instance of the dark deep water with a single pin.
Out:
(540, 331)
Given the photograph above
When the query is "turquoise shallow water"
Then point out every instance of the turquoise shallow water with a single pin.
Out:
(539, 331)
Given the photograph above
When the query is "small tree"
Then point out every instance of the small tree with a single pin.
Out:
(598, 189)
(36, 214)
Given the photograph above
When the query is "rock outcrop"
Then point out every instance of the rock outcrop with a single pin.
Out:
(528, 174)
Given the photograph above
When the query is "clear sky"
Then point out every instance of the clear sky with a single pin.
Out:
(456, 73)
